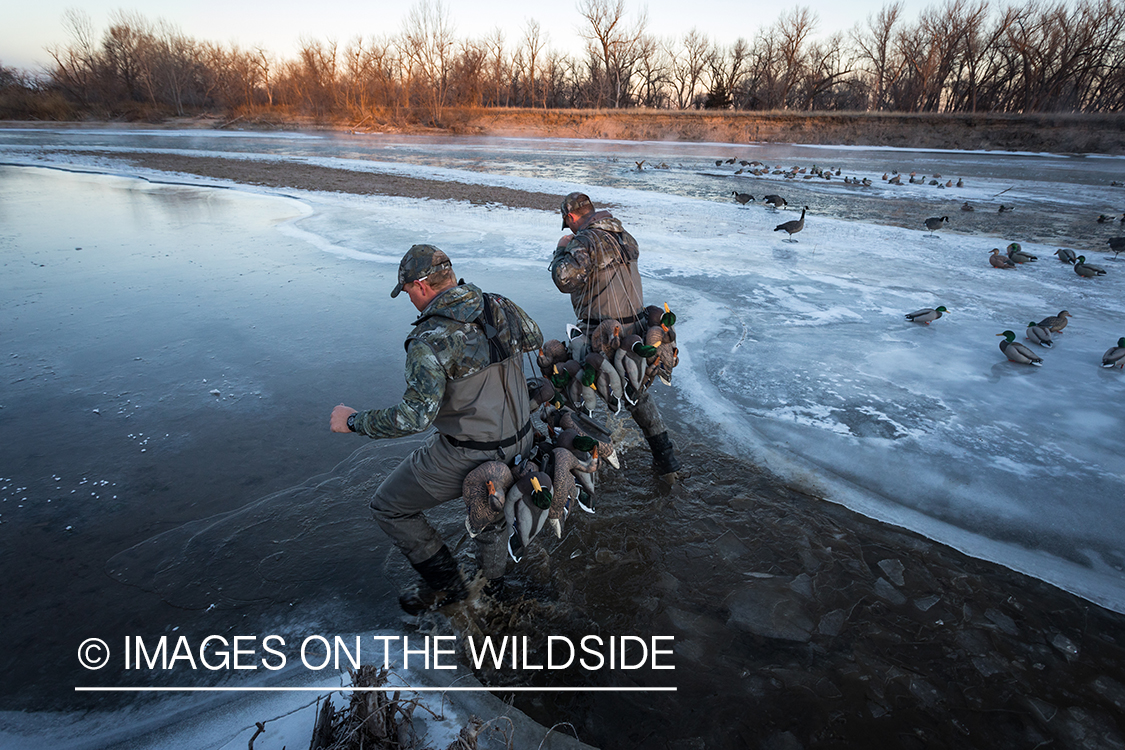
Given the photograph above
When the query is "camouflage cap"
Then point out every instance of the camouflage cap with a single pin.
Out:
(418, 263)
(576, 203)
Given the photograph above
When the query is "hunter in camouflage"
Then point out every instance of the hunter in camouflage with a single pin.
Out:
(597, 267)
(465, 378)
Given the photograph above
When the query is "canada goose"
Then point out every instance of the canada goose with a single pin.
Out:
(742, 198)
(1017, 352)
(936, 223)
(776, 201)
(926, 315)
(1085, 270)
(1116, 246)
(792, 227)
(640, 165)
(1005, 209)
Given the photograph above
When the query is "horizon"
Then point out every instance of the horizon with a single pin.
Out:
(279, 28)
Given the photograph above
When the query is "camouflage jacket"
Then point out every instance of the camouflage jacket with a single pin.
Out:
(449, 344)
(598, 268)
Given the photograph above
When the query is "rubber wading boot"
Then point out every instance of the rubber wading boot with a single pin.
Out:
(442, 584)
(664, 456)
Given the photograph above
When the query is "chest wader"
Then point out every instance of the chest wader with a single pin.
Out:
(474, 410)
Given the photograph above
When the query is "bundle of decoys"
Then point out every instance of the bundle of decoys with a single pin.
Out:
(612, 361)
(545, 485)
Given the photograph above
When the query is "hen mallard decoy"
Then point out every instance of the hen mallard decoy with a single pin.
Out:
(966, 206)
(1065, 255)
(926, 315)
(1039, 334)
(1115, 355)
(1056, 322)
(792, 227)
(1019, 255)
(1000, 261)
(1085, 270)
(1017, 352)
(484, 491)
(935, 223)
(742, 198)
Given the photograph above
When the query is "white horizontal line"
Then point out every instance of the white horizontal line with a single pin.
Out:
(372, 689)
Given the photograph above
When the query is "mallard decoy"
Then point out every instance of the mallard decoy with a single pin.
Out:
(484, 491)
(1065, 255)
(776, 201)
(540, 391)
(966, 206)
(1000, 261)
(935, 223)
(1116, 245)
(960, 182)
(565, 469)
(606, 380)
(1005, 209)
(742, 198)
(525, 511)
(581, 445)
(663, 339)
(1085, 270)
(1019, 255)
(1103, 219)
(1115, 355)
(1017, 352)
(553, 352)
(792, 227)
(1056, 322)
(926, 315)
(631, 360)
(1039, 334)
(606, 337)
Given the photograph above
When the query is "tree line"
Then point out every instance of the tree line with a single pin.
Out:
(956, 56)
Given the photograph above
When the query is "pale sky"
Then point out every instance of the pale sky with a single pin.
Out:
(29, 26)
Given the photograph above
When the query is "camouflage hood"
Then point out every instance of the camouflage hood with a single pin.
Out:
(463, 303)
(603, 220)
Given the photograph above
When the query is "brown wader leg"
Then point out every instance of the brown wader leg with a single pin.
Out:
(647, 417)
(431, 475)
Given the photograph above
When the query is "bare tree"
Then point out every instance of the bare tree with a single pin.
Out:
(687, 65)
(533, 41)
(427, 46)
(614, 45)
(875, 46)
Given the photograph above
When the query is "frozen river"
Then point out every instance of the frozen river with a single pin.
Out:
(171, 352)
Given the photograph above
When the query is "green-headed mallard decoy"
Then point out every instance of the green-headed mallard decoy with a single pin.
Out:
(1039, 334)
(935, 223)
(1017, 352)
(1019, 255)
(1066, 255)
(1000, 261)
(1085, 270)
(1115, 355)
(525, 510)
(926, 315)
(1056, 322)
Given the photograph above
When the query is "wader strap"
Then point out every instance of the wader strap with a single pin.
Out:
(492, 444)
